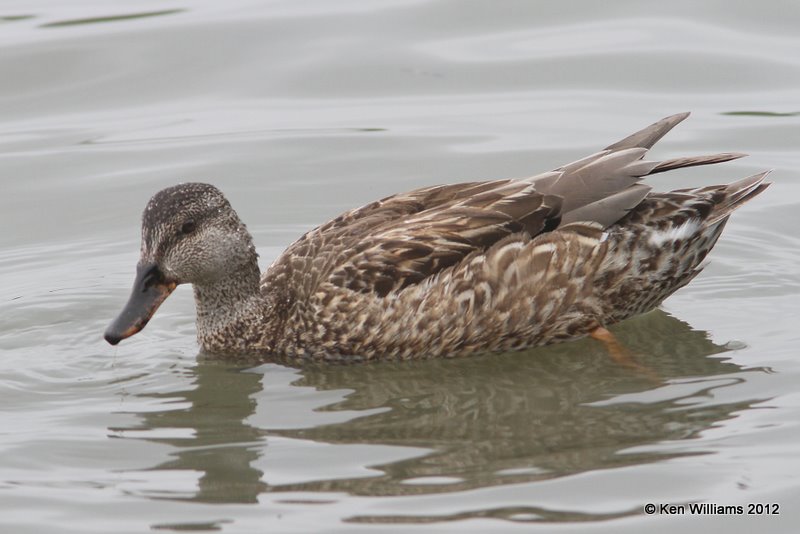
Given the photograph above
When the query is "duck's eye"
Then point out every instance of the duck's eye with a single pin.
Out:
(188, 227)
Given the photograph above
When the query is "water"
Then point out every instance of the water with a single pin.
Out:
(300, 110)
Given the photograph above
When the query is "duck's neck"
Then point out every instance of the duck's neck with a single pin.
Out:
(230, 309)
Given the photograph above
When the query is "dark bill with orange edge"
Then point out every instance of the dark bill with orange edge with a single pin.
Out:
(150, 289)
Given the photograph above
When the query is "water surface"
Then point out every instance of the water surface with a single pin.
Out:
(300, 110)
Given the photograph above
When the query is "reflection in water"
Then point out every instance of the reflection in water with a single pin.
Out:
(486, 420)
(222, 446)
(111, 18)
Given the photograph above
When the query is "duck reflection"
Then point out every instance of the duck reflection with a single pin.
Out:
(222, 446)
(485, 421)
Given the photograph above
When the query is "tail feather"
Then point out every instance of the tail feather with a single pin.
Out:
(736, 194)
(647, 137)
(692, 161)
(605, 186)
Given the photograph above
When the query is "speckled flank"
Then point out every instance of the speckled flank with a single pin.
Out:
(449, 270)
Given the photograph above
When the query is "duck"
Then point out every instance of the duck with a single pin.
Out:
(441, 271)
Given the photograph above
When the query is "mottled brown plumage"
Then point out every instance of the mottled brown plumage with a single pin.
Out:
(441, 271)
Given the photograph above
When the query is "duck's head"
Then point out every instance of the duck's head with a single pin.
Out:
(190, 234)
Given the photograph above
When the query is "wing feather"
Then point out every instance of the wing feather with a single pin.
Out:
(401, 240)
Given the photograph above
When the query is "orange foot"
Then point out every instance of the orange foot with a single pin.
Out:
(620, 355)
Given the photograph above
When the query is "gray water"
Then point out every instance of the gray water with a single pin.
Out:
(300, 110)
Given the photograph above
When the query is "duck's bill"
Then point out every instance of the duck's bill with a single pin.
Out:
(150, 289)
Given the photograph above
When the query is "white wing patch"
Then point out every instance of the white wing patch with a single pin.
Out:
(687, 229)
